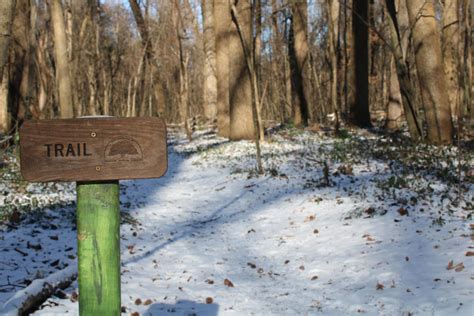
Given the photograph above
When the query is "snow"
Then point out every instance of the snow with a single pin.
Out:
(375, 240)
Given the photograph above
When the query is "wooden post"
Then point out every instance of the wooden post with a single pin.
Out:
(98, 240)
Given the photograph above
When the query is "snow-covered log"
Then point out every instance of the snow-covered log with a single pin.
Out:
(38, 292)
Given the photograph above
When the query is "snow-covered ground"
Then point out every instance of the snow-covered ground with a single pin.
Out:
(334, 227)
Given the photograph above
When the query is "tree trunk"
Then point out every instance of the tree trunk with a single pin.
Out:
(210, 80)
(429, 64)
(4, 113)
(399, 43)
(359, 109)
(333, 24)
(298, 51)
(395, 105)
(451, 41)
(63, 80)
(7, 8)
(223, 23)
(241, 122)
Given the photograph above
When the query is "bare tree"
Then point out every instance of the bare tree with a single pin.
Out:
(429, 65)
(210, 80)
(333, 8)
(359, 109)
(63, 80)
(298, 53)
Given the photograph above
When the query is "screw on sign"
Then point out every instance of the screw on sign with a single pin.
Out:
(96, 153)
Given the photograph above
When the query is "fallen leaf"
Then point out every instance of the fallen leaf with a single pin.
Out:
(147, 302)
(315, 231)
(252, 265)
(228, 283)
(402, 211)
(379, 287)
(459, 267)
(209, 300)
(301, 267)
(135, 314)
(469, 253)
(209, 281)
(310, 218)
(314, 278)
(138, 301)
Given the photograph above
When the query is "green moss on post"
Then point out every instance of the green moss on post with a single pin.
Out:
(98, 240)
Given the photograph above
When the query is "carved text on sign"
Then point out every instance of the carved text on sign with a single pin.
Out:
(67, 150)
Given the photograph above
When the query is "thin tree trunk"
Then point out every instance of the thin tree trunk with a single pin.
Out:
(429, 65)
(7, 8)
(451, 41)
(4, 114)
(63, 80)
(210, 79)
(333, 23)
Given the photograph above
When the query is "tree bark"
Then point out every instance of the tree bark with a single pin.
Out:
(223, 23)
(298, 51)
(359, 109)
(7, 8)
(210, 80)
(451, 41)
(398, 22)
(240, 90)
(63, 80)
(428, 58)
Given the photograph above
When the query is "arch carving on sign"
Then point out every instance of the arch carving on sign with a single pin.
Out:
(123, 149)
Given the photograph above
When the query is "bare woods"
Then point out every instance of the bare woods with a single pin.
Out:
(240, 64)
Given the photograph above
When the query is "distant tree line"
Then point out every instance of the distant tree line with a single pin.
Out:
(241, 64)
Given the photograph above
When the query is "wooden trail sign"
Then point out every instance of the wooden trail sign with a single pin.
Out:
(93, 149)
(95, 152)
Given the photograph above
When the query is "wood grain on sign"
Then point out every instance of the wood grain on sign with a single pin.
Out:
(93, 149)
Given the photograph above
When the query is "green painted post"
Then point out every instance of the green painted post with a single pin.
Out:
(98, 248)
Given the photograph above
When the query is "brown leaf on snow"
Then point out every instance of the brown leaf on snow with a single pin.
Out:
(209, 300)
(403, 211)
(379, 287)
(459, 267)
(209, 281)
(228, 283)
(310, 218)
(469, 253)
(450, 265)
(147, 302)
(138, 301)
(314, 278)
(301, 267)
(135, 314)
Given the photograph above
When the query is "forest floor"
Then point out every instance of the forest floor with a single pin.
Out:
(362, 223)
